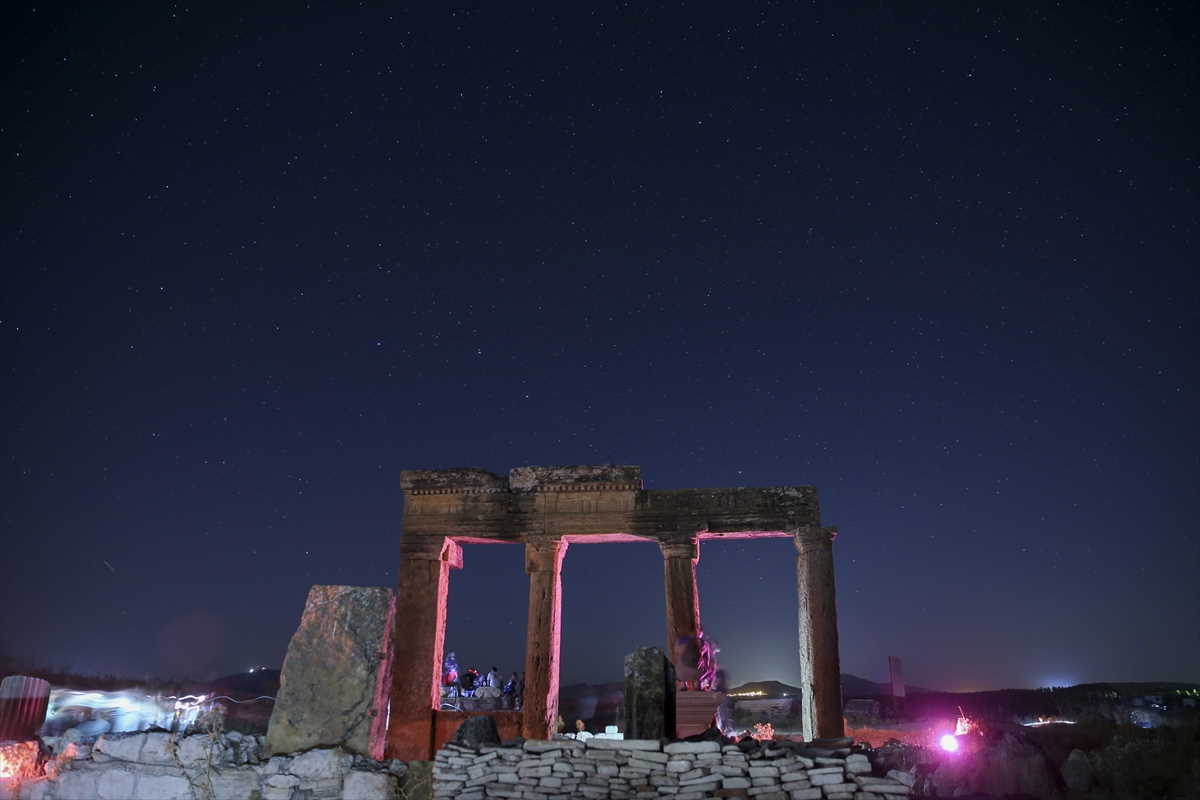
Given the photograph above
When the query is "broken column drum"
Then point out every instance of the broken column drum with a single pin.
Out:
(548, 508)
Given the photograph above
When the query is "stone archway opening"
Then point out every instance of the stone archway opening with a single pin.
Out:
(485, 617)
(612, 604)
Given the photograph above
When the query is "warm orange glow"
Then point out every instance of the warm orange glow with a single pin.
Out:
(18, 759)
(764, 731)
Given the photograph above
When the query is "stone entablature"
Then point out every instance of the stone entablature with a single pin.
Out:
(592, 500)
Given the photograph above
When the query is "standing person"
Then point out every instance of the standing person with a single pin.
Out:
(520, 693)
(509, 691)
(468, 683)
(493, 678)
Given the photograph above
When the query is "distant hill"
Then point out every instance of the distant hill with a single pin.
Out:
(244, 685)
(852, 686)
(768, 688)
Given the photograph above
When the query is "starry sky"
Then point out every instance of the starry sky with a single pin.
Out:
(936, 259)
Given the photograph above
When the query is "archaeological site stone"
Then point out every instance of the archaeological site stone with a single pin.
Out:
(336, 676)
(545, 510)
(649, 695)
(476, 732)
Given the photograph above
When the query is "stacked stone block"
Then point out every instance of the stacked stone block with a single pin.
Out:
(620, 769)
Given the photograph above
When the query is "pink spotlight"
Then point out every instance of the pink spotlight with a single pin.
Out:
(949, 743)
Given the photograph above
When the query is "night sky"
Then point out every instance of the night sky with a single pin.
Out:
(937, 260)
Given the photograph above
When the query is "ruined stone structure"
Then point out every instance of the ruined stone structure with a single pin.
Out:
(548, 508)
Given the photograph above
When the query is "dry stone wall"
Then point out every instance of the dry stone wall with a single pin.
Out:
(599, 769)
(229, 766)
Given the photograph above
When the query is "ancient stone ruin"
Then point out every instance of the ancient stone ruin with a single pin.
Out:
(546, 509)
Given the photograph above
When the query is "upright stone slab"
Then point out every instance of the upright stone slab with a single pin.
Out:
(336, 677)
(649, 695)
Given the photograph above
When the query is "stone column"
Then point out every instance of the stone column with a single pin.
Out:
(683, 599)
(419, 638)
(543, 562)
(820, 670)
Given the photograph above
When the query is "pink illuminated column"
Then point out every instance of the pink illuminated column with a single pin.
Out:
(820, 672)
(419, 636)
(543, 562)
(683, 598)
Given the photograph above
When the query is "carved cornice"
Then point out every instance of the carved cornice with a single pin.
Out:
(564, 487)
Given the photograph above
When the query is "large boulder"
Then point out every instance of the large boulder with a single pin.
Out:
(336, 677)
(649, 695)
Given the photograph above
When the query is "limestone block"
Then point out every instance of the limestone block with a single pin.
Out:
(596, 743)
(123, 747)
(858, 764)
(316, 765)
(77, 783)
(691, 747)
(336, 677)
(280, 787)
(162, 787)
(115, 784)
(370, 786)
(806, 794)
(37, 790)
(825, 778)
(194, 751)
(234, 784)
(839, 788)
(158, 749)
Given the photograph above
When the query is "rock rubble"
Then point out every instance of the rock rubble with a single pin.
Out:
(227, 766)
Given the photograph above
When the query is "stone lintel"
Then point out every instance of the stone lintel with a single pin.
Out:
(591, 501)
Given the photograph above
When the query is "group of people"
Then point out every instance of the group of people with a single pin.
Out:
(472, 683)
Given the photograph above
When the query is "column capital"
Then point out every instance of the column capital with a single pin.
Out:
(812, 536)
(688, 547)
(432, 548)
(544, 555)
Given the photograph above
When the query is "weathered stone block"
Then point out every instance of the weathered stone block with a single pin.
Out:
(370, 786)
(115, 784)
(235, 784)
(198, 751)
(162, 787)
(336, 676)
(316, 765)
(649, 695)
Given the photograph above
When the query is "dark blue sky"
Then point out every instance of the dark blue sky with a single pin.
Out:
(936, 260)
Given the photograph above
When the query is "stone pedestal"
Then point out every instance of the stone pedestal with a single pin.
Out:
(820, 671)
(334, 686)
(649, 695)
(419, 640)
(682, 598)
(543, 562)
